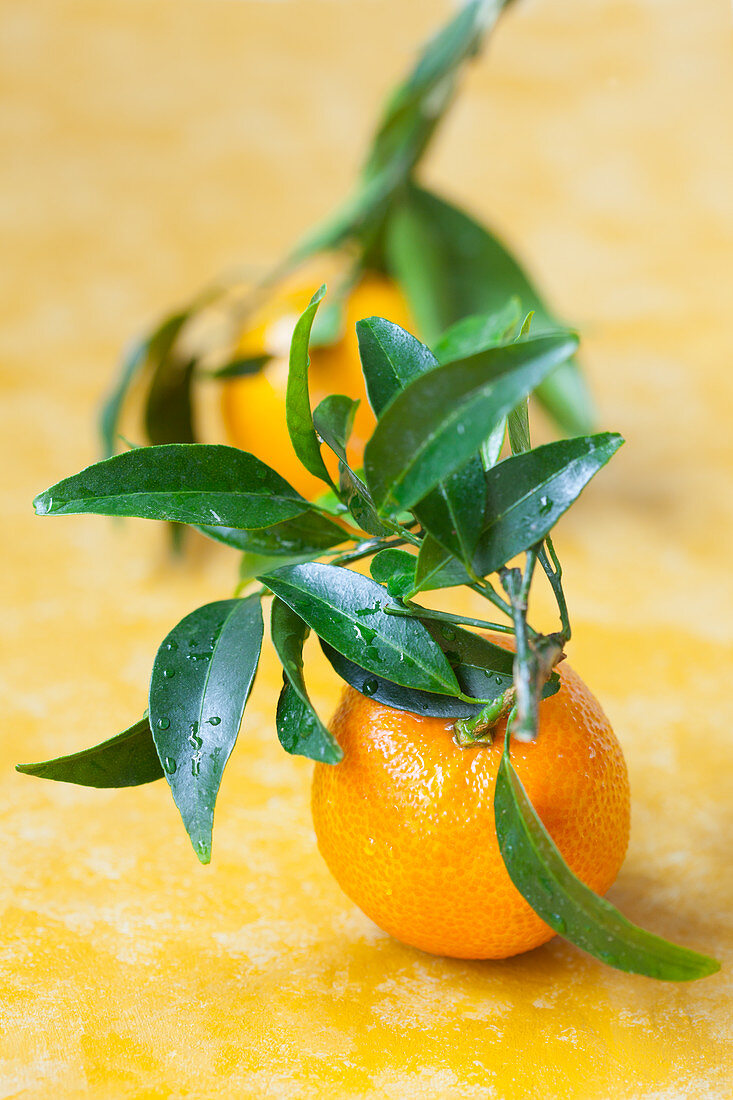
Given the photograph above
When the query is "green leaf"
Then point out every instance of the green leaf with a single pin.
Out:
(193, 483)
(541, 875)
(299, 728)
(416, 106)
(479, 332)
(333, 420)
(391, 358)
(437, 568)
(518, 428)
(348, 611)
(126, 760)
(169, 405)
(491, 447)
(439, 422)
(529, 492)
(297, 401)
(309, 534)
(395, 569)
(201, 680)
(454, 512)
(449, 266)
(395, 695)
(147, 352)
(241, 367)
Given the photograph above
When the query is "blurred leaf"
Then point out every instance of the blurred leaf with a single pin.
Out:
(126, 760)
(147, 352)
(449, 266)
(193, 483)
(348, 612)
(241, 367)
(297, 402)
(299, 728)
(202, 677)
(169, 408)
(529, 492)
(479, 332)
(439, 422)
(541, 875)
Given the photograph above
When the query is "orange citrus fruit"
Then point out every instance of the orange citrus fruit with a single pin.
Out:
(253, 406)
(406, 821)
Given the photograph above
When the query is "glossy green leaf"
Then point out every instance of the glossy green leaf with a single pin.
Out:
(201, 680)
(471, 335)
(348, 612)
(333, 420)
(518, 428)
(450, 266)
(528, 493)
(437, 568)
(189, 482)
(299, 728)
(395, 569)
(126, 760)
(310, 533)
(391, 358)
(297, 400)
(454, 512)
(147, 352)
(440, 421)
(541, 875)
(491, 447)
(394, 695)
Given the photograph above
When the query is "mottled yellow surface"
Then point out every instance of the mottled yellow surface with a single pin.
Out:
(150, 143)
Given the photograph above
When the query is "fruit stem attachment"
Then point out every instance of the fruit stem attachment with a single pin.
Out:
(479, 730)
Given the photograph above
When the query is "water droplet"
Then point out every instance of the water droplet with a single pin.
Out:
(448, 632)
(545, 505)
(193, 737)
(369, 687)
(202, 848)
(163, 723)
(559, 923)
(169, 672)
(195, 766)
(171, 645)
(169, 765)
(214, 721)
(498, 679)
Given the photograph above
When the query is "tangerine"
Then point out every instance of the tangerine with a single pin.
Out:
(406, 821)
(253, 406)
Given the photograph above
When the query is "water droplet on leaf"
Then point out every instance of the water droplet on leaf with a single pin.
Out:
(170, 765)
(545, 505)
(369, 687)
(163, 723)
(169, 673)
(214, 721)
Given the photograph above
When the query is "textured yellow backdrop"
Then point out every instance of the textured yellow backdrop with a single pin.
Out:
(148, 144)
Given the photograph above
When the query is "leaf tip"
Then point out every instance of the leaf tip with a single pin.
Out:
(42, 504)
(319, 295)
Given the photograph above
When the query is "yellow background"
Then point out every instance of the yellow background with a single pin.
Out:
(147, 144)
